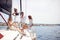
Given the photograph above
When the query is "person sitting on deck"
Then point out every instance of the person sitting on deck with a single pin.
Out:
(30, 21)
(22, 18)
(11, 24)
(15, 14)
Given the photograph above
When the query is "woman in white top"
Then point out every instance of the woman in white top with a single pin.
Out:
(30, 21)
(32, 33)
(15, 14)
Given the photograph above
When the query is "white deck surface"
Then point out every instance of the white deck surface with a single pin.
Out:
(10, 35)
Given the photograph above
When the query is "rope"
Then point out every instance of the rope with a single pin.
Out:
(3, 18)
(16, 36)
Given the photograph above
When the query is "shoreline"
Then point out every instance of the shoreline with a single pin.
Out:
(4, 24)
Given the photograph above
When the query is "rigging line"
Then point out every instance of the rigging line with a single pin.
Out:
(3, 19)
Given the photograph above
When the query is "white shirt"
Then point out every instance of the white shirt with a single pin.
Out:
(30, 23)
(22, 20)
(16, 18)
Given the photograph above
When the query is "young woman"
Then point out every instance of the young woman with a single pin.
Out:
(32, 33)
(11, 24)
(15, 14)
(30, 21)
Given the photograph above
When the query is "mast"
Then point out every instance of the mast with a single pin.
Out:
(20, 5)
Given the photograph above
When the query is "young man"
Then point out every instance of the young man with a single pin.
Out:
(22, 19)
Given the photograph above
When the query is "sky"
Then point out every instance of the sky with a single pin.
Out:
(42, 11)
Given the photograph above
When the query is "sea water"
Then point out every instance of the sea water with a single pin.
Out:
(44, 32)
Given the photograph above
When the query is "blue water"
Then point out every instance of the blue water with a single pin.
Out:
(44, 32)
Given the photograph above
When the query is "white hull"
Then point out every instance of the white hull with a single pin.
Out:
(11, 35)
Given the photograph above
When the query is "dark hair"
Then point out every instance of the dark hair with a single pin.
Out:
(30, 17)
(22, 13)
(15, 10)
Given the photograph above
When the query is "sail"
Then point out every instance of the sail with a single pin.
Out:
(6, 5)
